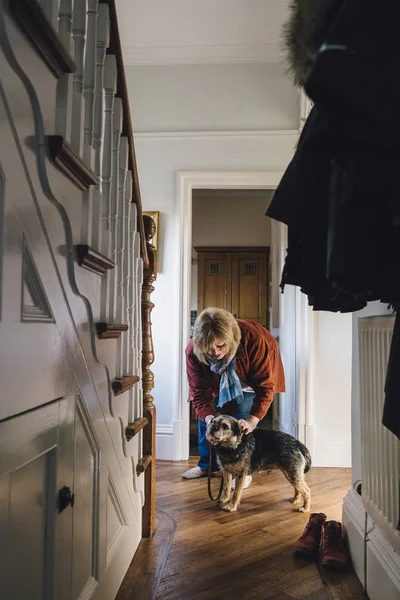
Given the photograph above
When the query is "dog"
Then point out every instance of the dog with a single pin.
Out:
(240, 455)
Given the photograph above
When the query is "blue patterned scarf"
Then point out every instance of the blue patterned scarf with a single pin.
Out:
(229, 386)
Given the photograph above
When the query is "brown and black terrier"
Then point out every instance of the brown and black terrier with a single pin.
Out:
(240, 455)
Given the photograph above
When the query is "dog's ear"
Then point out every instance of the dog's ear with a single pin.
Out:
(236, 429)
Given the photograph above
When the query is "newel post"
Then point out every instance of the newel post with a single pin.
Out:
(149, 410)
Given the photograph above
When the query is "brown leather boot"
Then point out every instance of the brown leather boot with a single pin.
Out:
(310, 540)
(334, 549)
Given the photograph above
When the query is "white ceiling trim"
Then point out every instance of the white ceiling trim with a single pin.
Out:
(239, 134)
(179, 55)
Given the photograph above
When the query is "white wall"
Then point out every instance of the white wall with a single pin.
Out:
(206, 100)
(159, 160)
(232, 220)
(199, 102)
(332, 340)
(243, 218)
(212, 97)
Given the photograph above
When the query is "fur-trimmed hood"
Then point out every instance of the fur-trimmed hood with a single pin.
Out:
(303, 35)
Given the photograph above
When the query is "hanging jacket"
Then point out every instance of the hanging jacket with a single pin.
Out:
(340, 195)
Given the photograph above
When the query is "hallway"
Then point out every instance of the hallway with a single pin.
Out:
(202, 553)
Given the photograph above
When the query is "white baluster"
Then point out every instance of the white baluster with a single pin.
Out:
(78, 105)
(120, 248)
(131, 359)
(138, 305)
(90, 78)
(65, 83)
(117, 129)
(89, 88)
(132, 292)
(127, 273)
(110, 87)
(123, 173)
(103, 40)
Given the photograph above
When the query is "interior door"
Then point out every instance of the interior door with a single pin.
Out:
(236, 279)
(35, 529)
(215, 280)
(249, 286)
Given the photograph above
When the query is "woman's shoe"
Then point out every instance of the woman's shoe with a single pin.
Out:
(194, 473)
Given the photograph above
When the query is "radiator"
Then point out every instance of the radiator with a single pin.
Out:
(380, 449)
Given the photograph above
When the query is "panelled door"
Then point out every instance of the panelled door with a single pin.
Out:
(215, 280)
(36, 462)
(236, 279)
(249, 286)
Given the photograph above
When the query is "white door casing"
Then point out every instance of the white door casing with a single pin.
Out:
(187, 181)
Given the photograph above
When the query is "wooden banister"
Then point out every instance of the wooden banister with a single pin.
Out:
(149, 410)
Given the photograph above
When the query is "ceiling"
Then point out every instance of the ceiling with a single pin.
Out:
(201, 31)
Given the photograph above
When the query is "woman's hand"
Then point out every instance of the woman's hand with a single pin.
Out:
(248, 425)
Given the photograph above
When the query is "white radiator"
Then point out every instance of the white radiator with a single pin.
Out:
(380, 449)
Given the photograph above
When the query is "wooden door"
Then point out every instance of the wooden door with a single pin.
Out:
(236, 279)
(35, 463)
(249, 286)
(215, 280)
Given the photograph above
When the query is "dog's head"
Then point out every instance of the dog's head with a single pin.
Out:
(224, 430)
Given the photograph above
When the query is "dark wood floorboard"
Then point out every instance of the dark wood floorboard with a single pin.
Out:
(213, 555)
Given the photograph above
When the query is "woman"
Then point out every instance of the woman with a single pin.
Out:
(234, 367)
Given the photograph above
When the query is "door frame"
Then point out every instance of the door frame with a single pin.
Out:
(186, 182)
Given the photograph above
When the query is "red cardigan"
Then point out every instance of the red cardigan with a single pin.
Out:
(258, 363)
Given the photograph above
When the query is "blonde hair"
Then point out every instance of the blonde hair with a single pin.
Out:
(215, 324)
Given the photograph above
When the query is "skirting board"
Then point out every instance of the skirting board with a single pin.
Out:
(382, 561)
(171, 443)
(164, 442)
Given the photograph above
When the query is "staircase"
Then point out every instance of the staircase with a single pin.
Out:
(77, 355)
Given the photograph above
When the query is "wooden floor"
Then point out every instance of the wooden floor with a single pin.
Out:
(202, 553)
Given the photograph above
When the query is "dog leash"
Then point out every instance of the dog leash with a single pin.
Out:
(209, 477)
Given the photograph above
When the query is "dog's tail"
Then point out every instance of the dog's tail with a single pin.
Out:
(307, 457)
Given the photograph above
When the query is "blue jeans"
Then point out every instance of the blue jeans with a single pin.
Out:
(239, 411)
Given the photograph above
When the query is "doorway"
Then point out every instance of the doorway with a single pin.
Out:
(222, 181)
(230, 261)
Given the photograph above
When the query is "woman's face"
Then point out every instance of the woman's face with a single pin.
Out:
(219, 349)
